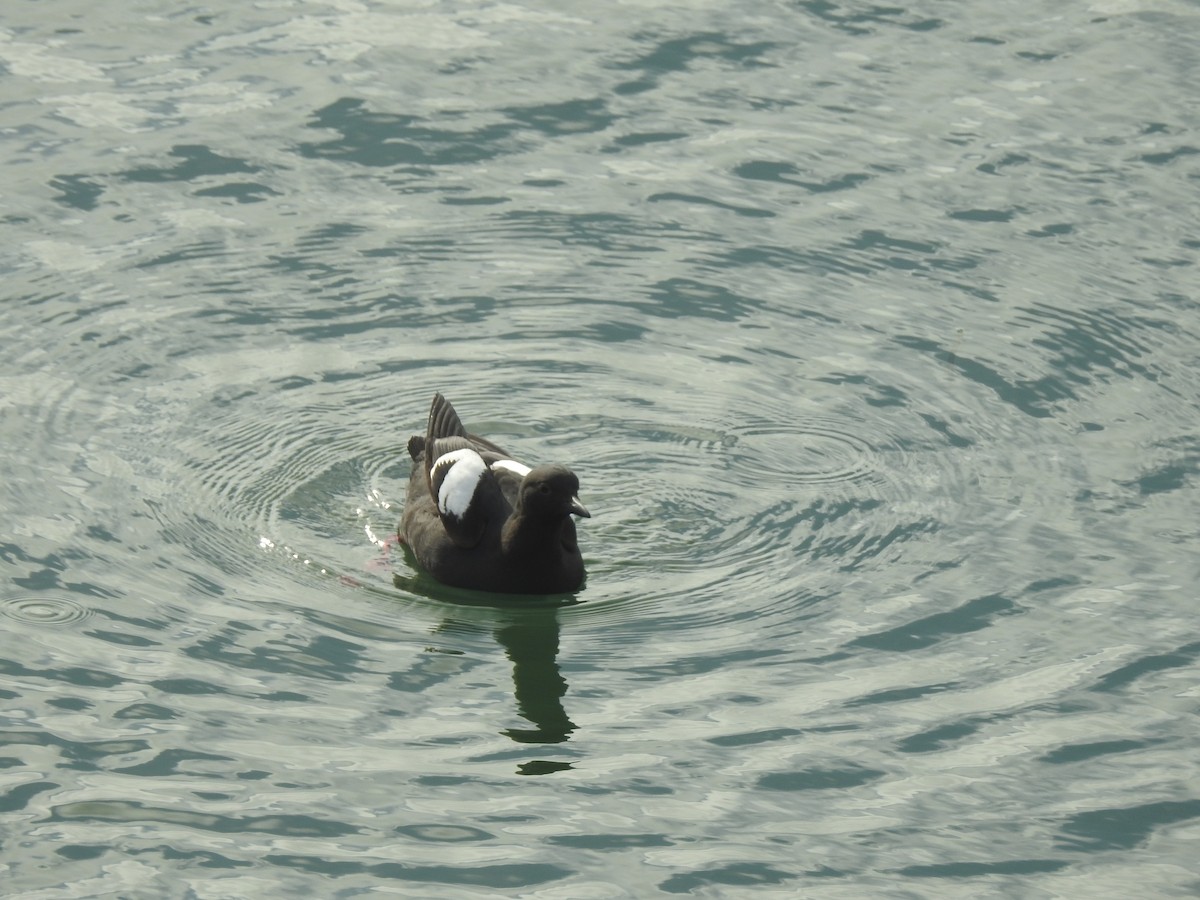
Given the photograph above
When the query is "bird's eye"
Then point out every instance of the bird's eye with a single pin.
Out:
(543, 488)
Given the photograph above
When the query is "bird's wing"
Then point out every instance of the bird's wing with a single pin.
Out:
(463, 490)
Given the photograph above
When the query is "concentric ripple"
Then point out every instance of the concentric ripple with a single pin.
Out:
(721, 515)
(804, 453)
(44, 610)
(300, 490)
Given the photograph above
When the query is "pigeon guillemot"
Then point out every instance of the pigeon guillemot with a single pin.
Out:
(476, 518)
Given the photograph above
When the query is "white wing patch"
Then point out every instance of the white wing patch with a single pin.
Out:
(466, 467)
(512, 465)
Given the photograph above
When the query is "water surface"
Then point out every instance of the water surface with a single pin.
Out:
(870, 331)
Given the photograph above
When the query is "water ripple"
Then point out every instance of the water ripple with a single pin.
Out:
(718, 524)
(44, 610)
(802, 453)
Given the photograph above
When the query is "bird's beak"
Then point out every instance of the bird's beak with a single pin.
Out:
(579, 509)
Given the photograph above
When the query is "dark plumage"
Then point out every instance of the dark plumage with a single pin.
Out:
(476, 518)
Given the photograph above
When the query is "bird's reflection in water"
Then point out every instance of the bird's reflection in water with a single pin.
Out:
(531, 642)
(529, 635)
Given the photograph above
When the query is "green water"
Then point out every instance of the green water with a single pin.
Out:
(870, 331)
